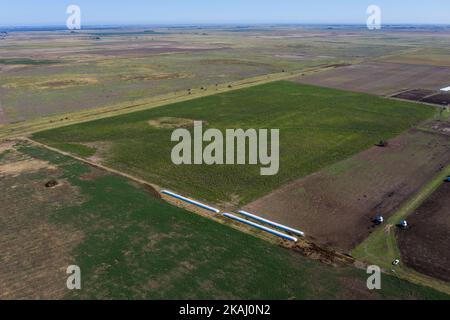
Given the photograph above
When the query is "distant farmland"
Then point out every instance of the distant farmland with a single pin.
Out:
(318, 127)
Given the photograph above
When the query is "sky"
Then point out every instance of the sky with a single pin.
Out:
(150, 12)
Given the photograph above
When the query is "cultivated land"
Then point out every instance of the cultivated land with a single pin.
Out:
(337, 205)
(381, 246)
(332, 182)
(424, 246)
(131, 245)
(383, 78)
(318, 127)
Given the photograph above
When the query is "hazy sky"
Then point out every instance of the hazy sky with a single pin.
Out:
(38, 12)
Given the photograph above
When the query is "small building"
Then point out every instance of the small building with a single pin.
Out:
(404, 224)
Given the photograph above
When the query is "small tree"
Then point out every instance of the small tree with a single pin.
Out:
(383, 143)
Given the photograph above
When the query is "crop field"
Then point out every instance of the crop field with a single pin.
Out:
(318, 127)
(382, 78)
(424, 246)
(131, 245)
(337, 205)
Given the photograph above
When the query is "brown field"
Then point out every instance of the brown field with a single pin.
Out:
(415, 94)
(442, 99)
(425, 245)
(382, 78)
(426, 96)
(335, 206)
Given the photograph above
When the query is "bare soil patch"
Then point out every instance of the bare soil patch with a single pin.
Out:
(102, 148)
(336, 206)
(172, 123)
(61, 83)
(66, 83)
(382, 78)
(424, 246)
(442, 127)
(24, 166)
(155, 77)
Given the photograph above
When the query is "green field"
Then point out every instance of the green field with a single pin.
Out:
(318, 127)
(134, 246)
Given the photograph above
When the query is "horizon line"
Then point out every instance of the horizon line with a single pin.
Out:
(241, 24)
